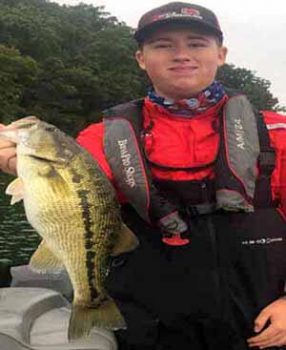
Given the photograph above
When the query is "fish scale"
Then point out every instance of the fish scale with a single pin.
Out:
(73, 206)
(98, 232)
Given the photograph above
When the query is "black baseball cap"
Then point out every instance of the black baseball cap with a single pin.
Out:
(180, 13)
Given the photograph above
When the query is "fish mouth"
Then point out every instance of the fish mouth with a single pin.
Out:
(10, 132)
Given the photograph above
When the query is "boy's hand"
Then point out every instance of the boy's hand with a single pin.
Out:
(7, 155)
(275, 334)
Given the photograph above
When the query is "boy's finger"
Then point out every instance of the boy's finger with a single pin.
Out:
(261, 320)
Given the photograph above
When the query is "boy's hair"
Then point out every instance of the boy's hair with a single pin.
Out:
(178, 14)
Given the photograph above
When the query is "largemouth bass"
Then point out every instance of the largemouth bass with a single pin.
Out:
(73, 206)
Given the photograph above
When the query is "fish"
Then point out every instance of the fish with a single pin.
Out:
(72, 205)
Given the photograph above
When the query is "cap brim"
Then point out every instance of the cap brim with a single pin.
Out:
(142, 34)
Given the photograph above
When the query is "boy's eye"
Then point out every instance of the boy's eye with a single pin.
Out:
(169, 45)
(197, 44)
(162, 45)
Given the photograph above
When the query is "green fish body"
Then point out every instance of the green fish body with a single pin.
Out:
(73, 206)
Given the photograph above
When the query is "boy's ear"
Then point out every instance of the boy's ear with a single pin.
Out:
(222, 55)
(140, 59)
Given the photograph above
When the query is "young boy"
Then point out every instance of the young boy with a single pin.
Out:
(202, 183)
(184, 161)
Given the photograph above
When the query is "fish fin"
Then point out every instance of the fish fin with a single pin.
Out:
(44, 260)
(106, 315)
(126, 241)
(16, 190)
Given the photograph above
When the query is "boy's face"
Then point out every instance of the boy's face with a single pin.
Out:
(180, 62)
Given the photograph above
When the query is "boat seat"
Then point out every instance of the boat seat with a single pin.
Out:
(24, 276)
(37, 319)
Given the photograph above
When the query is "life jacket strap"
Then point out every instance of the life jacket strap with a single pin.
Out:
(124, 153)
(266, 164)
(267, 155)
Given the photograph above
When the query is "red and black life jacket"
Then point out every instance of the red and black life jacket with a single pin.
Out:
(244, 144)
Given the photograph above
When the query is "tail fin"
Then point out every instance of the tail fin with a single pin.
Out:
(107, 316)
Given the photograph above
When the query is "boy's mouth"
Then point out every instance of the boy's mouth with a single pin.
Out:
(183, 69)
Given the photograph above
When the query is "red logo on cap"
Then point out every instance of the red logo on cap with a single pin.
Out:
(191, 12)
(156, 18)
(185, 11)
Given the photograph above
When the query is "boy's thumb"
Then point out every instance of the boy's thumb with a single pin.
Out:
(260, 321)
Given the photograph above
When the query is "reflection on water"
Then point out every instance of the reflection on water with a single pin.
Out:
(17, 238)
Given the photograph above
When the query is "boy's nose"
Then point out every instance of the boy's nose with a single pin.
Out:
(182, 52)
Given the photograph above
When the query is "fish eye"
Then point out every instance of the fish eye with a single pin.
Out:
(50, 128)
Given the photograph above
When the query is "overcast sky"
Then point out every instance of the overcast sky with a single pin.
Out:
(254, 30)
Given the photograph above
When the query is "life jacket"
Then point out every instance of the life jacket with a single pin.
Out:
(244, 143)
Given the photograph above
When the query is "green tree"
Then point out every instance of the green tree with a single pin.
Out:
(62, 95)
(244, 80)
(16, 74)
(85, 59)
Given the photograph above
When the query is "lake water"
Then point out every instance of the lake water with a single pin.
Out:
(18, 240)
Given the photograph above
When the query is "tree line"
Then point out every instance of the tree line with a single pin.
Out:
(68, 63)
